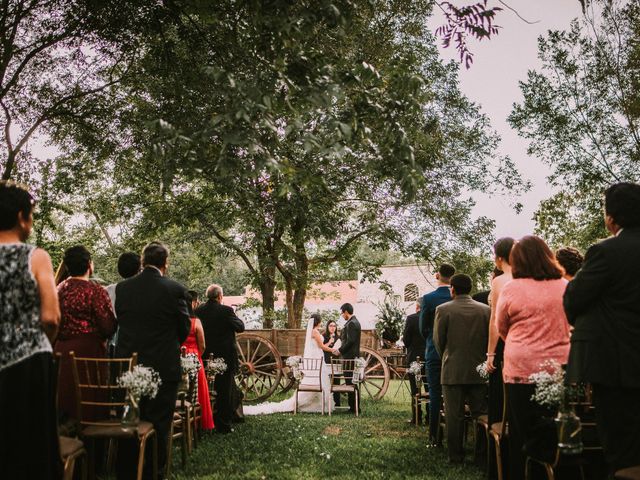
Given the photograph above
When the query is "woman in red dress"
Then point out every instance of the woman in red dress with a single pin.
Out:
(195, 344)
(87, 322)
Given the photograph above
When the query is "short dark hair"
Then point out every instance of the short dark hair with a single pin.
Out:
(194, 295)
(622, 203)
(462, 284)
(15, 199)
(446, 271)
(502, 248)
(77, 260)
(155, 254)
(128, 264)
(532, 258)
(347, 307)
(316, 319)
(570, 259)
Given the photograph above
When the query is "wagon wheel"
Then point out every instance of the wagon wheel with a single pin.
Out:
(286, 381)
(377, 374)
(260, 367)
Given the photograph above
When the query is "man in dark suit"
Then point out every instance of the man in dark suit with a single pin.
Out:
(460, 334)
(154, 321)
(414, 343)
(602, 302)
(350, 347)
(427, 315)
(220, 325)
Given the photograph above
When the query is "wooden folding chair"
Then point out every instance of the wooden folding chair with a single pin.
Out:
(71, 449)
(498, 432)
(312, 370)
(343, 369)
(100, 419)
(178, 432)
(585, 410)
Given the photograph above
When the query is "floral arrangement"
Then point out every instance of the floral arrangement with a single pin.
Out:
(140, 382)
(216, 366)
(390, 320)
(358, 371)
(549, 381)
(295, 364)
(190, 364)
(415, 369)
(483, 371)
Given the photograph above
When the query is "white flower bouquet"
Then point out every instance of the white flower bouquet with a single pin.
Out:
(483, 371)
(140, 382)
(295, 364)
(216, 366)
(190, 364)
(549, 382)
(358, 371)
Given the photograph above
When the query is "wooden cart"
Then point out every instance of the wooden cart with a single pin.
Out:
(263, 371)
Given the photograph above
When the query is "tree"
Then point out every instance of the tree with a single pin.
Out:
(580, 114)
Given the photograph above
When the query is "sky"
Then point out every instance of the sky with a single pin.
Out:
(492, 81)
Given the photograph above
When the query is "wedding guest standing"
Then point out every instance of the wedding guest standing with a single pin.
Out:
(350, 349)
(128, 266)
(460, 335)
(433, 364)
(154, 320)
(220, 325)
(570, 259)
(195, 344)
(29, 316)
(87, 321)
(531, 320)
(414, 342)
(603, 304)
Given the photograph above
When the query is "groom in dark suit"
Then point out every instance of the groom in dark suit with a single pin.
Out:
(602, 302)
(350, 347)
(220, 325)
(153, 321)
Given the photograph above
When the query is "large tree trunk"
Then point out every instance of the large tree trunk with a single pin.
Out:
(301, 284)
(267, 284)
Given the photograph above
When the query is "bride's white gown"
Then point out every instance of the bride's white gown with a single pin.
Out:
(307, 401)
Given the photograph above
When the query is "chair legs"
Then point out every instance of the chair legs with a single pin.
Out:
(70, 463)
(499, 471)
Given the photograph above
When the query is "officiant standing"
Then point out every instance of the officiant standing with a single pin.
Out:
(350, 348)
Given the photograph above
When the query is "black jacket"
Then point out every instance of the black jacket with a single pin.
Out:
(413, 339)
(603, 304)
(220, 325)
(153, 321)
(350, 339)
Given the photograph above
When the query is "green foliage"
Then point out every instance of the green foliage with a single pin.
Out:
(390, 319)
(580, 113)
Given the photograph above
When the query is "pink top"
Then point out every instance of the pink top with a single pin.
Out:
(531, 318)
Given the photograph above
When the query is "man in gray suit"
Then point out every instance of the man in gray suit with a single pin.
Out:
(460, 336)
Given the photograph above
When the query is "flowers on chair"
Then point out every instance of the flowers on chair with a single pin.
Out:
(358, 371)
(140, 382)
(216, 366)
(549, 382)
(295, 364)
(416, 369)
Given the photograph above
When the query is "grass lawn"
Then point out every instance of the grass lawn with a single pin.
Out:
(378, 444)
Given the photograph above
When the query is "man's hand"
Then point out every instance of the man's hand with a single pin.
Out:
(336, 352)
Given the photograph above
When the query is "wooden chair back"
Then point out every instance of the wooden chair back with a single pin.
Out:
(312, 369)
(100, 376)
(342, 368)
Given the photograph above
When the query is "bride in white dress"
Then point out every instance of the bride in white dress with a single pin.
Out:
(307, 401)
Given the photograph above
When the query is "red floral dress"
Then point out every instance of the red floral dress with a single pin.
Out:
(191, 345)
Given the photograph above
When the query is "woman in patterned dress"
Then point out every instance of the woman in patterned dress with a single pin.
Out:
(29, 316)
(86, 324)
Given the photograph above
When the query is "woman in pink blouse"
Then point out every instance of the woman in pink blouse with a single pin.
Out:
(531, 320)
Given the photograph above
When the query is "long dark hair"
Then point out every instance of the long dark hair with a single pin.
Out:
(327, 333)
(532, 258)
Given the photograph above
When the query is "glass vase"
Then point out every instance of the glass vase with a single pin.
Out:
(131, 413)
(569, 433)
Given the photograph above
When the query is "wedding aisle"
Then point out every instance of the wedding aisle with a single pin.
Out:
(379, 444)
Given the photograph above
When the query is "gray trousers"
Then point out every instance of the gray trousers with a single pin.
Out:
(454, 400)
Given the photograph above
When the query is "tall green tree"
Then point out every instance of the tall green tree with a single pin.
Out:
(580, 113)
